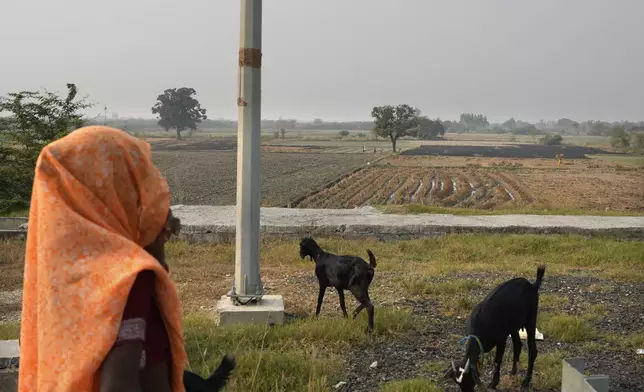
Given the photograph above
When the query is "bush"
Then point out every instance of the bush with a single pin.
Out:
(362, 135)
(343, 134)
(551, 140)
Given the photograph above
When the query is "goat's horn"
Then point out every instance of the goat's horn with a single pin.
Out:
(453, 367)
(467, 366)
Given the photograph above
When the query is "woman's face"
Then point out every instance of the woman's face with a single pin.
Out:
(157, 247)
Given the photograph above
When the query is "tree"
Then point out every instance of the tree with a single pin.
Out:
(176, 108)
(474, 121)
(596, 128)
(343, 134)
(428, 129)
(283, 133)
(510, 124)
(36, 118)
(394, 122)
(619, 139)
(566, 124)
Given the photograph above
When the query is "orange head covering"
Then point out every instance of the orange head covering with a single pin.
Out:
(97, 201)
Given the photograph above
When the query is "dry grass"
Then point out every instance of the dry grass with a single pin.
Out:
(454, 271)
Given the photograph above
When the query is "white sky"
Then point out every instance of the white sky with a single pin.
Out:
(335, 59)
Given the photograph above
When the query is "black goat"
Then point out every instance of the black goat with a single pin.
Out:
(216, 382)
(344, 273)
(508, 308)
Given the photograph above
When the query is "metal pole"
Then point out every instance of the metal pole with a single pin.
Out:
(248, 285)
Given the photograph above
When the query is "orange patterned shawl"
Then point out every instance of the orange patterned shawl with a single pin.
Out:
(97, 200)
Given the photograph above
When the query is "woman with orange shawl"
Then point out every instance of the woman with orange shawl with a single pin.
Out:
(100, 312)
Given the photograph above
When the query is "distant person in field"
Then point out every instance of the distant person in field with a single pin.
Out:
(100, 312)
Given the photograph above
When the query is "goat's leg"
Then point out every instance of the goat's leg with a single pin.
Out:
(358, 310)
(362, 295)
(342, 305)
(532, 352)
(320, 298)
(498, 360)
(516, 347)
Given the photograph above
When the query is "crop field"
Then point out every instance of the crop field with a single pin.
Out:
(485, 188)
(317, 174)
(449, 188)
(210, 177)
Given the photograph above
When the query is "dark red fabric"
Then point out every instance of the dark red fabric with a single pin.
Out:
(141, 304)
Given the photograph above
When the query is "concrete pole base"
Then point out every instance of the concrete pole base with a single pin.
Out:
(270, 310)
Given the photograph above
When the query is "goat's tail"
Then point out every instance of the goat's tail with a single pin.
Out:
(540, 272)
(218, 379)
(372, 259)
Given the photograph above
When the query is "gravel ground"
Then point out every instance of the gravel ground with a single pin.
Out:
(407, 357)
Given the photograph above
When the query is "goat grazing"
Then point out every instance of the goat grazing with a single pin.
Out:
(508, 308)
(344, 273)
(216, 382)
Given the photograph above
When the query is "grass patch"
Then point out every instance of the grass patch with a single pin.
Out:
(15, 214)
(429, 209)
(305, 355)
(9, 331)
(566, 328)
(411, 385)
(629, 342)
(549, 301)
(435, 367)
(419, 286)
(546, 375)
(308, 355)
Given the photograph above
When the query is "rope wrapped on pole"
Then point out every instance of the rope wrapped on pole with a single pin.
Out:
(250, 57)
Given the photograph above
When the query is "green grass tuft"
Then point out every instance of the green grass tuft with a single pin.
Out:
(566, 328)
(9, 331)
(411, 385)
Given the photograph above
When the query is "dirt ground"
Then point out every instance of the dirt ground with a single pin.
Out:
(210, 177)
(594, 189)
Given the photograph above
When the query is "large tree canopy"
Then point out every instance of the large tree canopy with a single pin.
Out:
(178, 109)
(394, 122)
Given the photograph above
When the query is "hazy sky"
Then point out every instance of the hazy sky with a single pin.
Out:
(336, 59)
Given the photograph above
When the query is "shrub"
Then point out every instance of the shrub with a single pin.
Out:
(343, 134)
(551, 140)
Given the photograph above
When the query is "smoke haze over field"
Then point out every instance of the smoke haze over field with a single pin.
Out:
(336, 59)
